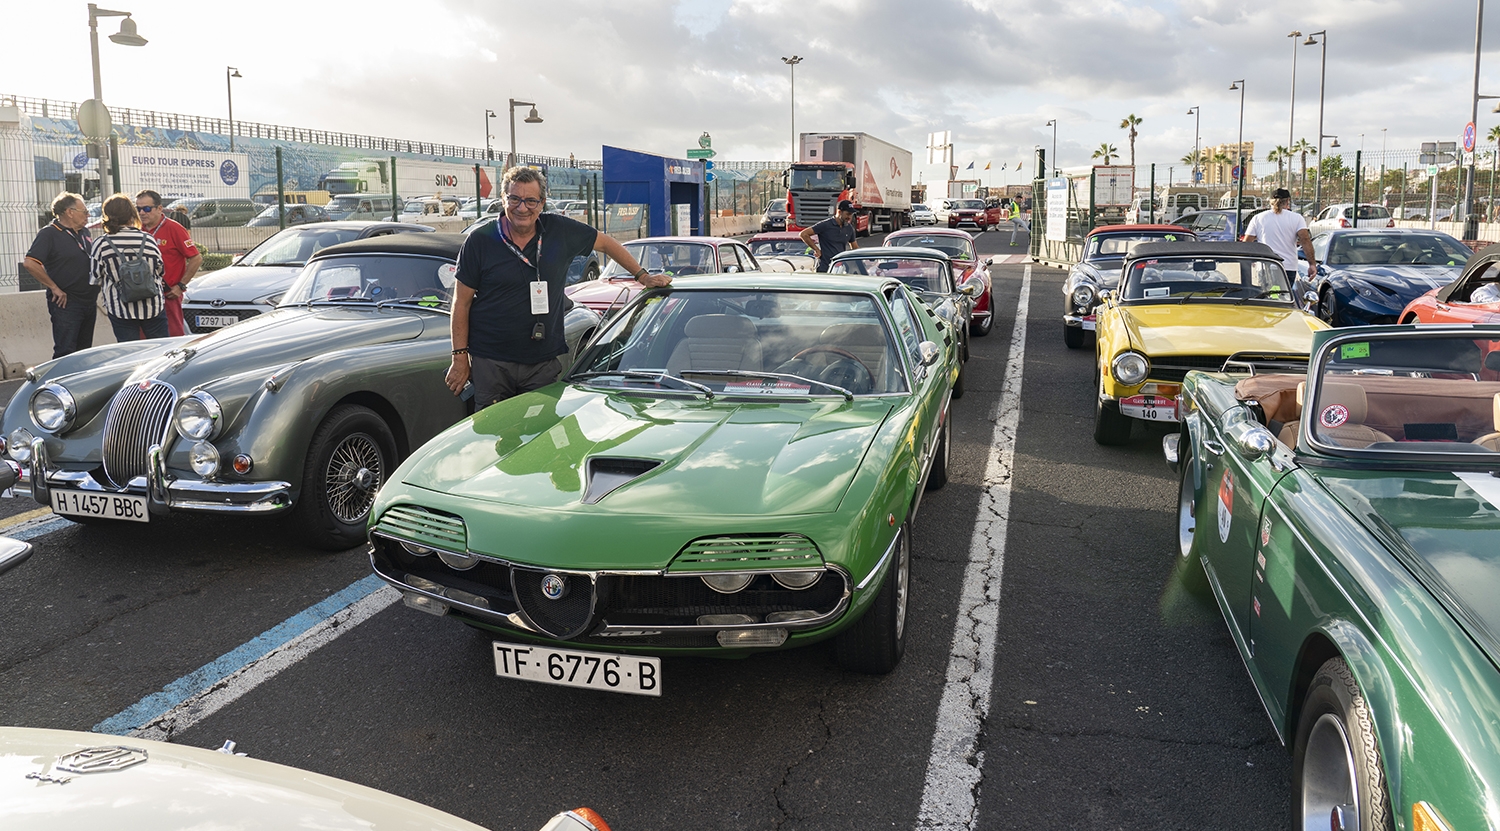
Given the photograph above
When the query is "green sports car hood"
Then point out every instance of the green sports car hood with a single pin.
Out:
(1450, 522)
(688, 456)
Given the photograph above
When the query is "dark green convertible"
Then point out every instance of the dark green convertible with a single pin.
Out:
(732, 466)
(1348, 525)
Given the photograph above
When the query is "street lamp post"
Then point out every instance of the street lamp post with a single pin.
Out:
(229, 87)
(1473, 119)
(531, 118)
(1053, 125)
(1291, 119)
(125, 37)
(1239, 152)
(489, 153)
(1197, 139)
(1322, 79)
(792, 63)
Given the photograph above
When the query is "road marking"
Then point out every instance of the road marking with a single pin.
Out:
(204, 691)
(20, 518)
(950, 797)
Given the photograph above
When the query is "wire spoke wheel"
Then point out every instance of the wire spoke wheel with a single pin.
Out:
(354, 473)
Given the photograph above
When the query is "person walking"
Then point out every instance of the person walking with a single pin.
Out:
(1016, 222)
(178, 252)
(126, 264)
(507, 316)
(833, 234)
(59, 260)
(1283, 230)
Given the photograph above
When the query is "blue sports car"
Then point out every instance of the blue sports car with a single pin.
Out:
(1366, 277)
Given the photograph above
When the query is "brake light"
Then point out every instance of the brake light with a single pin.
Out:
(1390, 223)
(1343, 223)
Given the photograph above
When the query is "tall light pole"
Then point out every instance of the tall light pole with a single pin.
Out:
(489, 154)
(531, 118)
(792, 62)
(1197, 139)
(1474, 119)
(125, 37)
(1322, 79)
(229, 87)
(1053, 125)
(1239, 152)
(1291, 119)
(1382, 164)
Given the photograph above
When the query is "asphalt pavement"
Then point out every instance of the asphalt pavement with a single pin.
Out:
(1116, 702)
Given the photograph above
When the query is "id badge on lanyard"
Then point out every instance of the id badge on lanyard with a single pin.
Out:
(538, 287)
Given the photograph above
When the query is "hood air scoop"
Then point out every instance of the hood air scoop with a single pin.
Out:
(606, 474)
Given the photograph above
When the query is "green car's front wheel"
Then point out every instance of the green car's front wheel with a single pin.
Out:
(350, 456)
(1337, 777)
(876, 642)
(1189, 571)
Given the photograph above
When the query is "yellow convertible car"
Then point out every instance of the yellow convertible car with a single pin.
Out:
(1191, 305)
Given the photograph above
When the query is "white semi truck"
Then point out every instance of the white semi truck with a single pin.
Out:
(875, 175)
(414, 177)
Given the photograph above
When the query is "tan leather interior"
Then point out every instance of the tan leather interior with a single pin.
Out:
(717, 342)
(1383, 407)
(865, 341)
(1491, 441)
(1354, 432)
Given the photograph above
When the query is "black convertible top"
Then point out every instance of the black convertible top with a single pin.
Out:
(1220, 250)
(431, 245)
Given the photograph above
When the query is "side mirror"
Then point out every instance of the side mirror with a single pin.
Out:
(995, 260)
(1311, 299)
(971, 288)
(929, 352)
(1106, 295)
(236, 258)
(731, 269)
(1252, 441)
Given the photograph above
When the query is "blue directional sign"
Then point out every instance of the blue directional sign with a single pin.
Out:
(708, 177)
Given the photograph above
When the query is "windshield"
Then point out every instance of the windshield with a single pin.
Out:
(371, 278)
(1104, 245)
(674, 258)
(773, 247)
(413, 208)
(739, 343)
(970, 204)
(1397, 249)
(957, 248)
(829, 180)
(1368, 212)
(343, 204)
(1178, 279)
(920, 274)
(920, 208)
(777, 206)
(295, 246)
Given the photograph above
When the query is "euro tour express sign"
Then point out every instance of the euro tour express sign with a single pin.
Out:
(174, 173)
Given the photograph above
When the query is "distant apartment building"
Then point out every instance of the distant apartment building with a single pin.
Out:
(1221, 173)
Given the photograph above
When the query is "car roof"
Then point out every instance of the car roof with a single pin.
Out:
(703, 240)
(944, 232)
(1125, 229)
(905, 251)
(1344, 232)
(432, 245)
(775, 235)
(781, 281)
(1258, 250)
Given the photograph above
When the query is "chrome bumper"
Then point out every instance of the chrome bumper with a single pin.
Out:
(164, 493)
(1085, 322)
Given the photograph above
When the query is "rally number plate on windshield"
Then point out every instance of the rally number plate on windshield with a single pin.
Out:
(103, 505)
(573, 668)
(1149, 407)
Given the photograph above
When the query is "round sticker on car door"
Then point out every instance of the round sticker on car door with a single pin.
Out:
(1334, 415)
(1226, 505)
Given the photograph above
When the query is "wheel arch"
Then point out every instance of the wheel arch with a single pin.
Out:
(383, 408)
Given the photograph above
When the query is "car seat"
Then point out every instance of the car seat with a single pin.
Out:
(1351, 431)
(1491, 441)
(717, 342)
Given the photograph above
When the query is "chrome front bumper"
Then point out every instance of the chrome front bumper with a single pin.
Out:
(1085, 322)
(164, 493)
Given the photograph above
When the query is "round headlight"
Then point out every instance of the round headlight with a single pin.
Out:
(796, 579)
(1130, 368)
(19, 445)
(198, 416)
(457, 562)
(52, 408)
(415, 550)
(204, 459)
(727, 583)
(1083, 296)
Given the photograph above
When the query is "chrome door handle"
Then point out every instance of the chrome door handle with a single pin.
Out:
(1214, 447)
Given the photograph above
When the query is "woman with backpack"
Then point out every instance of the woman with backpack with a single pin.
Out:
(127, 264)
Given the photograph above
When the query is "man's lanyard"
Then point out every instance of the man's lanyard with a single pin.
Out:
(505, 238)
(76, 235)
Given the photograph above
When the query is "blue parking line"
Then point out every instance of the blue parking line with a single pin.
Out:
(153, 706)
(40, 529)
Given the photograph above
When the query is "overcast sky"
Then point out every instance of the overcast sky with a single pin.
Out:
(655, 74)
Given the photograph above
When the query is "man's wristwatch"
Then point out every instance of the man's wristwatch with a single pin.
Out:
(642, 272)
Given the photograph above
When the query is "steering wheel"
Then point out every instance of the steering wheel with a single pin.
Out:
(823, 347)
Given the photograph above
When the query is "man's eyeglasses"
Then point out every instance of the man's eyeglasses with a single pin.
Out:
(145, 209)
(529, 202)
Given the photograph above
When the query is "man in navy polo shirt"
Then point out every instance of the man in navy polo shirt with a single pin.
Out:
(59, 260)
(507, 324)
(833, 234)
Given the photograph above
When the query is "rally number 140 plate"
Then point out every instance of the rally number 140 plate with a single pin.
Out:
(632, 674)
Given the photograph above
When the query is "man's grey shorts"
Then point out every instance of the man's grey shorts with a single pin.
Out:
(499, 380)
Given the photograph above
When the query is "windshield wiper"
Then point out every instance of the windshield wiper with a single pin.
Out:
(745, 373)
(1216, 291)
(426, 302)
(646, 376)
(1261, 295)
(312, 300)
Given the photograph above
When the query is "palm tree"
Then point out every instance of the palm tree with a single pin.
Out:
(1302, 148)
(1279, 154)
(1106, 152)
(1193, 157)
(1130, 122)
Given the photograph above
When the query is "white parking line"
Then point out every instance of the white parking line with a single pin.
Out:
(950, 797)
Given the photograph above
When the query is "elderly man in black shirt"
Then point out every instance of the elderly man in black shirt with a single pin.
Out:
(59, 260)
(507, 323)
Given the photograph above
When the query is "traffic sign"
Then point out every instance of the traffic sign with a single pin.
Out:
(705, 153)
(709, 176)
(708, 164)
(93, 119)
(1432, 170)
(1469, 135)
(1234, 172)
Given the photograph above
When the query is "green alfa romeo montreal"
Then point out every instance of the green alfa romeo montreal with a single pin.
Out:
(731, 466)
(1347, 522)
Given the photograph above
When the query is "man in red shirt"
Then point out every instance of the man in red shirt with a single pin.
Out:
(178, 253)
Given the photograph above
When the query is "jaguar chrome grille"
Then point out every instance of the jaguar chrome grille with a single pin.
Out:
(425, 527)
(710, 554)
(139, 417)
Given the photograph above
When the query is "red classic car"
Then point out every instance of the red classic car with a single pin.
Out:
(959, 246)
(675, 256)
(1473, 298)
